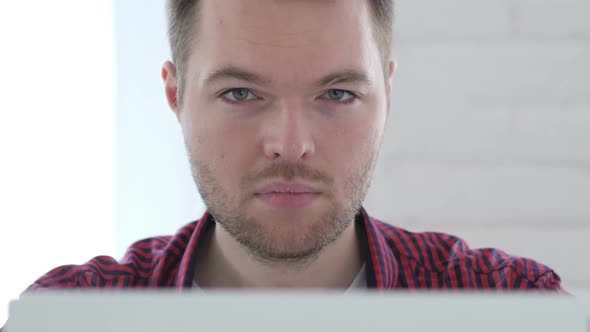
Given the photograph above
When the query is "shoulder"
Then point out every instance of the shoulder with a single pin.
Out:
(456, 264)
(100, 271)
(136, 269)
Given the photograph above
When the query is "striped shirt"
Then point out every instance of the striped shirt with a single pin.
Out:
(395, 258)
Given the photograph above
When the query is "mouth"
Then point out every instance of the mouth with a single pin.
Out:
(288, 195)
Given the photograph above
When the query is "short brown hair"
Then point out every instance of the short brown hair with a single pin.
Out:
(183, 14)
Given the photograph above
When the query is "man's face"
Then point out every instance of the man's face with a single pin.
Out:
(283, 113)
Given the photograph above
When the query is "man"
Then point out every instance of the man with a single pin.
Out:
(283, 105)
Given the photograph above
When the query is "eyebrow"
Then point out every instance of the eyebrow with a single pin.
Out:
(345, 76)
(339, 77)
(231, 72)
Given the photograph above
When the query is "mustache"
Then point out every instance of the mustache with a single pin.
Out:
(288, 170)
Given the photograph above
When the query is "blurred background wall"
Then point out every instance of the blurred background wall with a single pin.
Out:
(488, 139)
(489, 136)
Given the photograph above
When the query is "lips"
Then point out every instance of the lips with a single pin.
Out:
(287, 195)
(287, 188)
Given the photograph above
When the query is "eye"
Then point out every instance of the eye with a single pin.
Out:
(238, 95)
(339, 95)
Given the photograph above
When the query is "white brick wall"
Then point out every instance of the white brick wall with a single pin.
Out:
(555, 19)
(427, 192)
(489, 135)
(444, 21)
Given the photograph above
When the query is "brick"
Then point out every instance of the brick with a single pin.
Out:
(501, 102)
(483, 195)
(433, 20)
(492, 75)
(555, 19)
(521, 136)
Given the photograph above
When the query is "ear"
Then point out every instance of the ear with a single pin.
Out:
(390, 73)
(391, 67)
(170, 85)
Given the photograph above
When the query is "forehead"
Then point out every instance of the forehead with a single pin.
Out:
(285, 40)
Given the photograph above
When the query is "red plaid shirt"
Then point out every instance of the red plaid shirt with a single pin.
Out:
(395, 259)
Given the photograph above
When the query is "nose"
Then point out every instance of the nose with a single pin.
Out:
(289, 134)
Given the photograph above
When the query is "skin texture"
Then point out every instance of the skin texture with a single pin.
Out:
(313, 113)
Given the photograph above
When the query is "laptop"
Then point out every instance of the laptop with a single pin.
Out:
(147, 311)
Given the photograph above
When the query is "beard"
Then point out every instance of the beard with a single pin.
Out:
(275, 241)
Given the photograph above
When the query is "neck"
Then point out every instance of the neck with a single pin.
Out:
(226, 264)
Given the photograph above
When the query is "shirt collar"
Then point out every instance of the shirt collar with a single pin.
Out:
(381, 265)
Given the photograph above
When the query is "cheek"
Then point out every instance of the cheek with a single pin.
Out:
(355, 137)
(354, 145)
(225, 148)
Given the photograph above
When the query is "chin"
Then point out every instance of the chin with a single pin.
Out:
(277, 216)
(279, 234)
